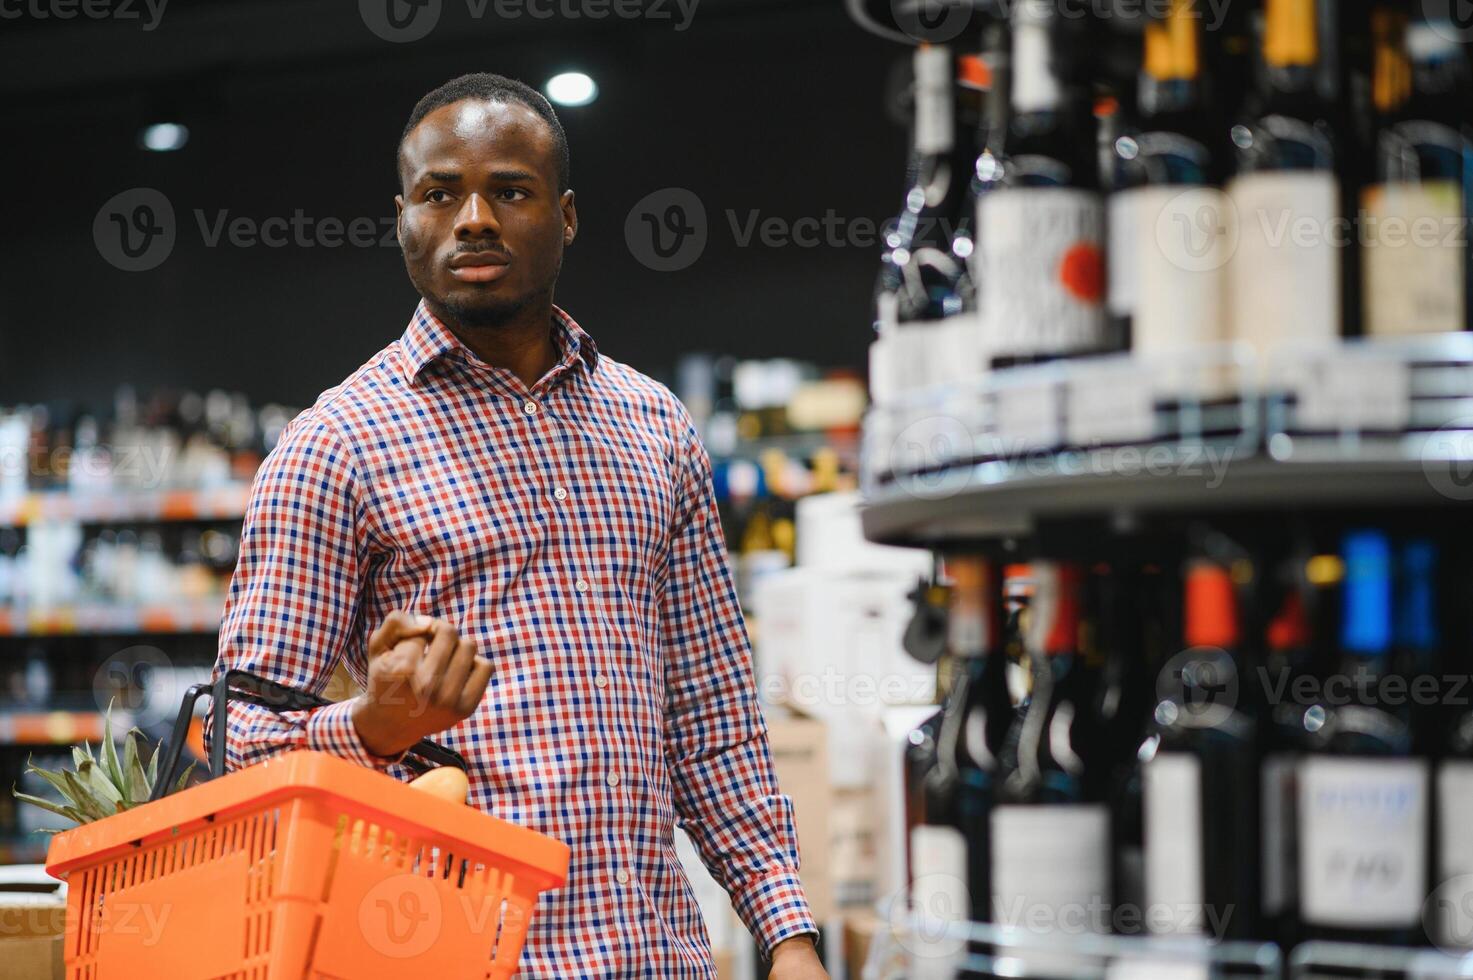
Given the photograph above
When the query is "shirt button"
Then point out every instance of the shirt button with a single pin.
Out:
(612, 779)
(560, 493)
(581, 585)
(600, 681)
(622, 877)
(529, 408)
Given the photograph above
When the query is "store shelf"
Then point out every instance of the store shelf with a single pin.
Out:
(58, 727)
(1368, 424)
(113, 618)
(127, 506)
(30, 849)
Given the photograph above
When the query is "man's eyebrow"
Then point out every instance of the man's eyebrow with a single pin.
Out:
(442, 177)
(502, 176)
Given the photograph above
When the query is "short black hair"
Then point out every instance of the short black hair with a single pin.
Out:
(487, 87)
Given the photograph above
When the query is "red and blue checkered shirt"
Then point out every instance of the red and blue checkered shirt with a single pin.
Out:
(570, 529)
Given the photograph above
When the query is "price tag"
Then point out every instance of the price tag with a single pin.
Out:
(1027, 416)
(1110, 405)
(1139, 968)
(1341, 393)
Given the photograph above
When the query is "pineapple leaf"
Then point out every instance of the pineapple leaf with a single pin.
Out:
(111, 768)
(55, 779)
(184, 778)
(70, 813)
(153, 767)
(103, 790)
(78, 756)
(135, 780)
(82, 799)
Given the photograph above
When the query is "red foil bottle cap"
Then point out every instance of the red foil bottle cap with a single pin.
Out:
(1211, 606)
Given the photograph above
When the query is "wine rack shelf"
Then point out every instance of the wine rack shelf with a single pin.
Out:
(126, 506)
(1385, 423)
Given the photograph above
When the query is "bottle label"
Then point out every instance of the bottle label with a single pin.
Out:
(1276, 795)
(1051, 876)
(1362, 841)
(933, 77)
(1041, 264)
(1284, 276)
(1452, 909)
(939, 897)
(1183, 241)
(1414, 242)
(1172, 797)
(1124, 266)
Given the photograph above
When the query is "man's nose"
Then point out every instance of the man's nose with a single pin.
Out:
(476, 219)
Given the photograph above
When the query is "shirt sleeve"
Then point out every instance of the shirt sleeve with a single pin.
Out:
(292, 609)
(726, 793)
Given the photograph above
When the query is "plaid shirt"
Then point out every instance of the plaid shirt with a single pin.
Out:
(570, 529)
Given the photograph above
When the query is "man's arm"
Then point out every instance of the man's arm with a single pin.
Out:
(293, 604)
(716, 741)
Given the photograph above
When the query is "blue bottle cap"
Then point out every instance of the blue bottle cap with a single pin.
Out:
(1366, 618)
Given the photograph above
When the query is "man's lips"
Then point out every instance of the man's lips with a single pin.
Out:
(478, 266)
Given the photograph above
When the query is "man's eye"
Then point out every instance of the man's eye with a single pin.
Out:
(513, 190)
(437, 196)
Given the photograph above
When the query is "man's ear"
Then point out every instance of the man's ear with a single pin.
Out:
(399, 218)
(570, 218)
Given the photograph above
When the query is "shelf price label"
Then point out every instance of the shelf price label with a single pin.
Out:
(1027, 416)
(1110, 405)
(1340, 393)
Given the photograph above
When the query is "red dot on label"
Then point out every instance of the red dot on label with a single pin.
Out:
(1082, 271)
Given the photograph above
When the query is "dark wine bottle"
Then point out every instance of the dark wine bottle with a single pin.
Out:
(1168, 241)
(1201, 775)
(1363, 802)
(1415, 213)
(1040, 218)
(1050, 824)
(1285, 275)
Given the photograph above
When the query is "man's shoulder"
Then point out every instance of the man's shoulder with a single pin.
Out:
(640, 393)
(354, 404)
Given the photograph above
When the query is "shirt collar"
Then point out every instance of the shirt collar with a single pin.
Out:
(427, 339)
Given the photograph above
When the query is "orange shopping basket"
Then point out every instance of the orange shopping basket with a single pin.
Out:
(303, 866)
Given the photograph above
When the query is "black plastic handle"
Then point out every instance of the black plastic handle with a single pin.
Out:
(242, 685)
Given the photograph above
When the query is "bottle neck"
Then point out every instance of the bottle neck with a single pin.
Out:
(935, 131)
(1171, 79)
(1035, 85)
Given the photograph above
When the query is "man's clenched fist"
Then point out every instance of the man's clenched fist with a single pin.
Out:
(422, 679)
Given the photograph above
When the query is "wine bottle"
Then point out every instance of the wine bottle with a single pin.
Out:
(1050, 826)
(1167, 218)
(1200, 779)
(1288, 643)
(1040, 219)
(1284, 277)
(950, 845)
(1415, 213)
(1362, 792)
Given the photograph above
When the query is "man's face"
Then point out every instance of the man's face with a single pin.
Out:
(480, 219)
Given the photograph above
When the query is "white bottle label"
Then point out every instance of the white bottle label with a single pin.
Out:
(1414, 241)
(1276, 803)
(1051, 876)
(1039, 256)
(1452, 908)
(1362, 841)
(1172, 797)
(1284, 276)
(1184, 239)
(1123, 223)
(933, 80)
(939, 897)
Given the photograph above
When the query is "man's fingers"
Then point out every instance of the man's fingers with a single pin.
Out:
(475, 685)
(457, 670)
(432, 664)
(397, 625)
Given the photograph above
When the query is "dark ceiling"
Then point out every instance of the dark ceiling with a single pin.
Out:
(763, 110)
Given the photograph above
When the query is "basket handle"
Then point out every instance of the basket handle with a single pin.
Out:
(242, 685)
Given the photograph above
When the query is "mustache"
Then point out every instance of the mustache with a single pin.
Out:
(467, 249)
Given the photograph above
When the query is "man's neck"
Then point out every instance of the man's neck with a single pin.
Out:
(524, 346)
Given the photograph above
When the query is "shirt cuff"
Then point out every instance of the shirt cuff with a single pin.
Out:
(331, 729)
(774, 908)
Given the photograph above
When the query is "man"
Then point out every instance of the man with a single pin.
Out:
(511, 542)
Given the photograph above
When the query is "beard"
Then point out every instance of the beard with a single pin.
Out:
(482, 310)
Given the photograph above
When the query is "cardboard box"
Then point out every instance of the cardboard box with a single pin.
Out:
(800, 756)
(32, 923)
(860, 929)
